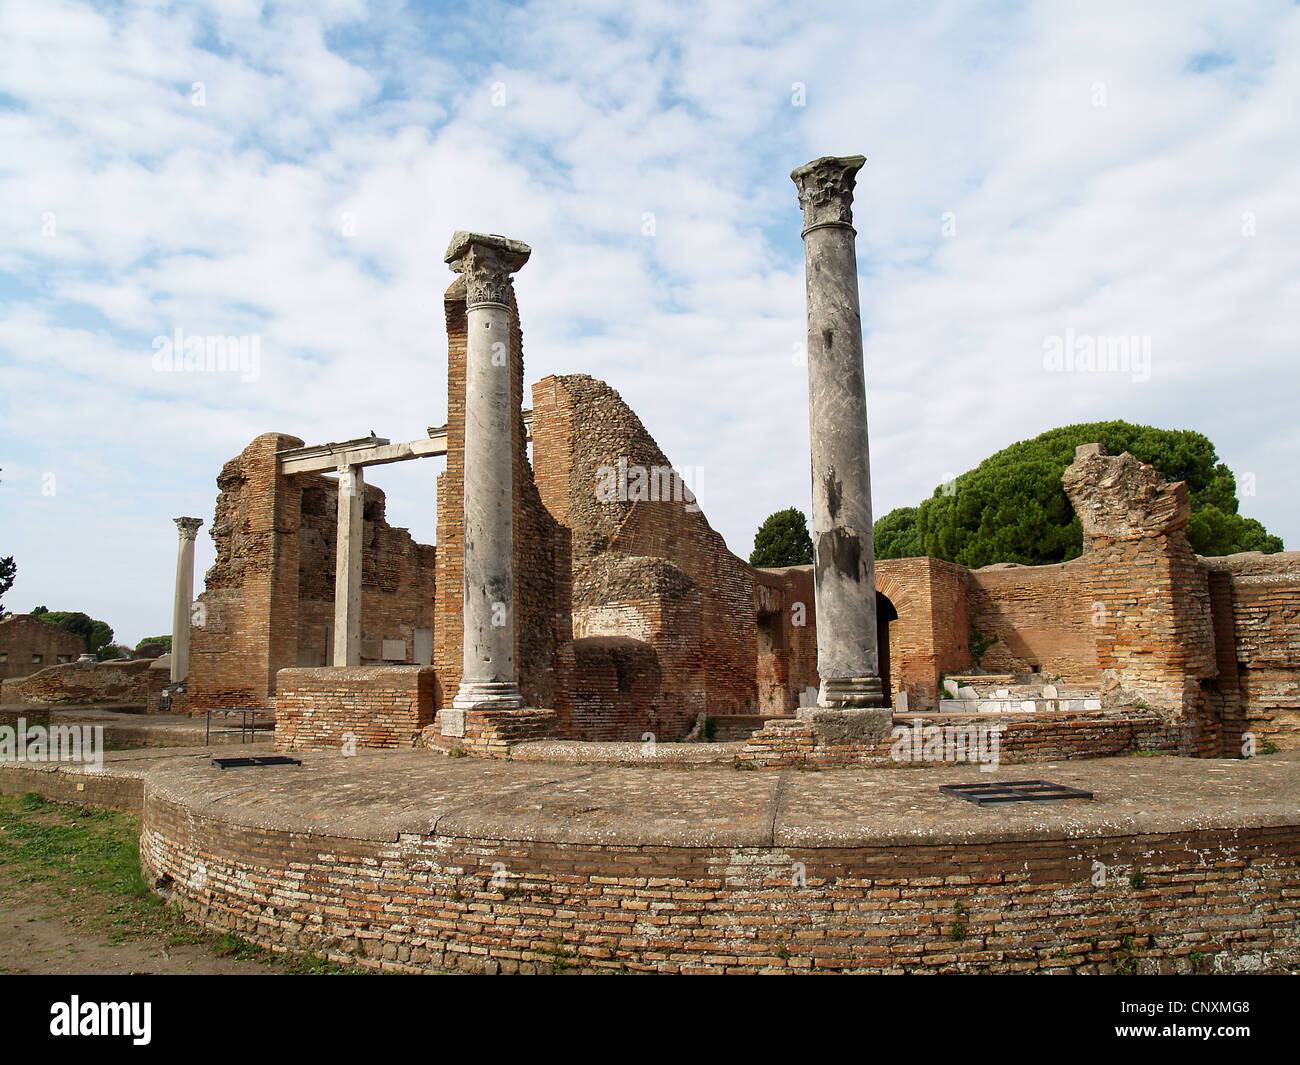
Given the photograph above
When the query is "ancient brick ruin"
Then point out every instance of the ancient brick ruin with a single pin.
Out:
(632, 616)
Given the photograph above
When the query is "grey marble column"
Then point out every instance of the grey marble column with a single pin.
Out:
(489, 680)
(843, 542)
(188, 528)
(347, 566)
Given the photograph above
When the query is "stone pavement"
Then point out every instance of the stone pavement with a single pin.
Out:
(381, 795)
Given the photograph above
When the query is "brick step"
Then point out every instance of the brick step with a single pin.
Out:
(730, 727)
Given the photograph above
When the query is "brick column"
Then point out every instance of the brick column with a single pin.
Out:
(188, 529)
(489, 680)
(843, 543)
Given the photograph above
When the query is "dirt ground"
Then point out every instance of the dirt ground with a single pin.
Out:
(34, 938)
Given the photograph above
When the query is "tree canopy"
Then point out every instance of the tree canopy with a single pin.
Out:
(1013, 508)
(8, 571)
(97, 634)
(782, 540)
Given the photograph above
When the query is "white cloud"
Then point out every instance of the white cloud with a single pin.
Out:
(1124, 218)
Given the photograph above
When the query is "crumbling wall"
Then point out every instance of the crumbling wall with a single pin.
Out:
(268, 599)
(246, 626)
(1256, 603)
(603, 477)
(116, 683)
(397, 578)
(1149, 592)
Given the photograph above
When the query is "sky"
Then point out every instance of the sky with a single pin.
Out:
(1042, 179)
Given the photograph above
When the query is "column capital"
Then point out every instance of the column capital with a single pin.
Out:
(188, 527)
(826, 190)
(486, 261)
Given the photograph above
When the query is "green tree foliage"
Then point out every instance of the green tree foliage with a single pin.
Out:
(897, 534)
(97, 634)
(1012, 507)
(8, 571)
(783, 540)
(166, 641)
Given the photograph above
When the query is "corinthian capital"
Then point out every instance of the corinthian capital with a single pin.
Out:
(188, 527)
(486, 261)
(826, 189)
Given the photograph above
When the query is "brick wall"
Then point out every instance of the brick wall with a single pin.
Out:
(1256, 602)
(1024, 738)
(377, 706)
(1039, 618)
(268, 600)
(118, 683)
(1223, 898)
(582, 427)
(24, 638)
(250, 599)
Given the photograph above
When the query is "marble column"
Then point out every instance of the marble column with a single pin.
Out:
(347, 566)
(188, 528)
(489, 680)
(843, 543)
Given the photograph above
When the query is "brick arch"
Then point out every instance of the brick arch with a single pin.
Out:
(887, 586)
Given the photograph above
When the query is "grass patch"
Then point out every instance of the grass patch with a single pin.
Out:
(84, 863)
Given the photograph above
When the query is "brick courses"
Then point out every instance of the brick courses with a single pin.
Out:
(1221, 898)
(374, 706)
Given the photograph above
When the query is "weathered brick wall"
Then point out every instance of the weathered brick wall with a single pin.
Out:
(121, 683)
(397, 577)
(268, 601)
(24, 637)
(652, 602)
(1221, 898)
(540, 609)
(249, 606)
(1149, 592)
(583, 429)
(1040, 619)
(617, 694)
(929, 637)
(1256, 601)
(786, 611)
(377, 706)
(1024, 738)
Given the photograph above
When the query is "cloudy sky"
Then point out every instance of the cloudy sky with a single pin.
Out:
(1039, 175)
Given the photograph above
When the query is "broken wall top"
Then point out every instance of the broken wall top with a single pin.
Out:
(1118, 497)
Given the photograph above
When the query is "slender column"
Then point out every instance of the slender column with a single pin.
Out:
(347, 566)
(844, 546)
(188, 528)
(489, 679)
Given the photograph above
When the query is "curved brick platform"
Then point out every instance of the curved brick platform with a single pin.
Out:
(408, 861)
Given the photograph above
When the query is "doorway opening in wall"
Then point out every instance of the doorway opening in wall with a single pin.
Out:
(886, 614)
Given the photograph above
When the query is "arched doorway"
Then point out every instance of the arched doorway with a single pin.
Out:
(885, 614)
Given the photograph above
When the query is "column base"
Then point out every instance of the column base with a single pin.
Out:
(852, 726)
(478, 695)
(843, 693)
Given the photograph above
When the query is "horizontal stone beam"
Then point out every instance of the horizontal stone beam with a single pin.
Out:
(325, 458)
